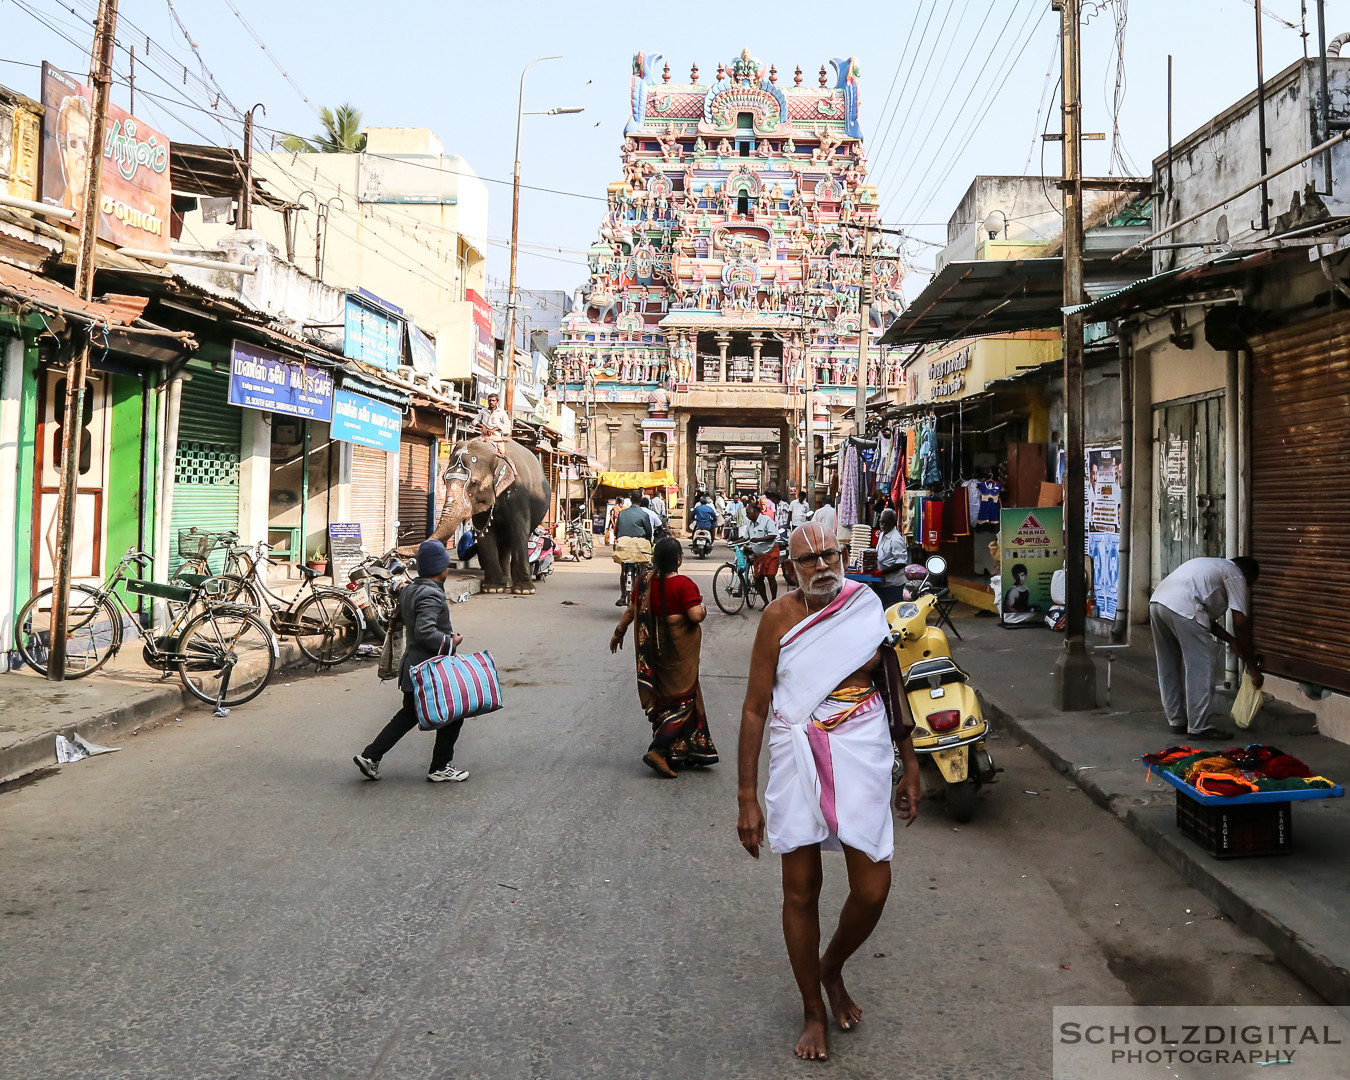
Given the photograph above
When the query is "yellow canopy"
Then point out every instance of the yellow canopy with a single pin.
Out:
(634, 480)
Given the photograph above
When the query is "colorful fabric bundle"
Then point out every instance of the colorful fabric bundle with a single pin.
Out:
(1210, 766)
(1217, 783)
(1285, 767)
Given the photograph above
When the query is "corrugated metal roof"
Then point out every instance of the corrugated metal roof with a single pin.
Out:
(33, 288)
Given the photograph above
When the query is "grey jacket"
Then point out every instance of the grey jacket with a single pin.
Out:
(426, 625)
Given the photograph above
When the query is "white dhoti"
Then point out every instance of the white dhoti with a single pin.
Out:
(830, 758)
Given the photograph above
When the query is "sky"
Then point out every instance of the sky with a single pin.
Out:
(949, 89)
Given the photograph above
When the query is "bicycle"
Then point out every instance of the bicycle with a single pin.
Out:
(195, 548)
(580, 537)
(734, 583)
(222, 652)
(325, 622)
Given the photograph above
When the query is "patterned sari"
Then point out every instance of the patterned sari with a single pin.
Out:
(667, 675)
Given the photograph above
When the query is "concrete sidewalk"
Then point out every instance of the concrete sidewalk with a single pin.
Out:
(1297, 904)
(118, 699)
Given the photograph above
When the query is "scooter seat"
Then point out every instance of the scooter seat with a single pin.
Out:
(943, 668)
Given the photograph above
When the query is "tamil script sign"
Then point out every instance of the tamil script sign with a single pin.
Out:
(485, 357)
(135, 197)
(263, 379)
(372, 332)
(1103, 521)
(363, 420)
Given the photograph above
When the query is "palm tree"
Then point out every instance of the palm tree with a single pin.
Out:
(341, 133)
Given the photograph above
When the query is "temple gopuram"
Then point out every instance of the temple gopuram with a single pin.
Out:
(726, 276)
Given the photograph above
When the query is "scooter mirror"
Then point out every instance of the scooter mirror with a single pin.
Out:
(937, 565)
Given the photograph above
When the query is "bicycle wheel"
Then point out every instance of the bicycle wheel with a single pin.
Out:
(189, 566)
(729, 589)
(239, 563)
(233, 589)
(752, 596)
(93, 631)
(215, 643)
(330, 628)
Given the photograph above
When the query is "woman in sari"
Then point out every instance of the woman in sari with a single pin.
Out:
(668, 608)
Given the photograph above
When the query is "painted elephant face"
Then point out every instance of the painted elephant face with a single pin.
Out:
(472, 481)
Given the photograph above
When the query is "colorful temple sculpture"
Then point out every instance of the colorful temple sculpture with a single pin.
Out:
(727, 271)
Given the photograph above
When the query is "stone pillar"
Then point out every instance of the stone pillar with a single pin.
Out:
(756, 344)
(723, 344)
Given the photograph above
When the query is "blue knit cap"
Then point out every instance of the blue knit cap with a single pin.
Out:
(432, 558)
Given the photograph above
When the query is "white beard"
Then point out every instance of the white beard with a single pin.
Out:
(824, 587)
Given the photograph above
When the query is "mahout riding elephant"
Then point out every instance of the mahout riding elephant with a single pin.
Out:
(505, 505)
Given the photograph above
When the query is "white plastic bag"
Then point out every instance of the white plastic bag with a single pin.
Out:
(1248, 702)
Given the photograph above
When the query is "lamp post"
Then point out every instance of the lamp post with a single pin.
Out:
(509, 396)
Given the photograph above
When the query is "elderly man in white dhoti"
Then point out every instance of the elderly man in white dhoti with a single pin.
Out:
(830, 691)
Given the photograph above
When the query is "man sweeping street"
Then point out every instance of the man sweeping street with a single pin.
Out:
(831, 694)
(1186, 615)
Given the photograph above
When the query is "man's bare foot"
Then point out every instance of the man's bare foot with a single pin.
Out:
(812, 1046)
(845, 1009)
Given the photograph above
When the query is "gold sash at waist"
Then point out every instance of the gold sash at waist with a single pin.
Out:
(854, 697)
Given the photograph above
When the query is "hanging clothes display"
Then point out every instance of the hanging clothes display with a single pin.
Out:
(932, 470)
(991, 492)
(932, 524)
(848, 486)
(958, 513)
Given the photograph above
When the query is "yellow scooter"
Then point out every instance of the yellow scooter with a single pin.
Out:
(950, 729)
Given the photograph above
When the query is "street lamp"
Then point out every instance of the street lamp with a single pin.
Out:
(515, 232)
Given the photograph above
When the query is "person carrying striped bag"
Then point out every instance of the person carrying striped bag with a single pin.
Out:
(427, 631)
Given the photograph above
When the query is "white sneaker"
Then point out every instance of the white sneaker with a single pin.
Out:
(440, 776)
(369, 769)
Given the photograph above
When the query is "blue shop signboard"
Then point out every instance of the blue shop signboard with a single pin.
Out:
(363, 420)
(373, 331)
(263, 379)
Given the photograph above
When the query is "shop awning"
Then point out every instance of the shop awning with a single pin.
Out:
(633, 480)
(216, 172)
(1171, 285)
(379, 391)
(120, 329)
(1003, 296)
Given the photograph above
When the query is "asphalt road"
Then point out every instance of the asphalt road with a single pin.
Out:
(225, 898)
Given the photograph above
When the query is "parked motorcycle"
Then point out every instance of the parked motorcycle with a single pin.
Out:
(376, 581)
(921, 579)
(580, 537)
(701, 542)
(541, 550)
(950, 730)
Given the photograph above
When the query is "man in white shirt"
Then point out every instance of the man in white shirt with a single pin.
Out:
(493, 422)
(797, 511)
(645, 503)
(1186, 614)
(658, 505)
(762, 533)
(892, 558)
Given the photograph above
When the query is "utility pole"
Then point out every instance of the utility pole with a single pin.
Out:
(77, 366)
(1075, 674)
(246, 192)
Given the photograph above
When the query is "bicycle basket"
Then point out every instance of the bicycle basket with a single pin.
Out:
(195, 544)
(174, 593)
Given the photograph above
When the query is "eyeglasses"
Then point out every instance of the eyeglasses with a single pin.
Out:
(829, 557)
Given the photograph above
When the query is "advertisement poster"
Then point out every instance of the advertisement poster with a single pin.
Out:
(135, 200)
(486, 357)
(263, 379)
(1103, 528)
(1031, 549)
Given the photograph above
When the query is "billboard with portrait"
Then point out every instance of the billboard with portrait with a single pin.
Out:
(1031, 549)
(135, 198)
(1103, 478)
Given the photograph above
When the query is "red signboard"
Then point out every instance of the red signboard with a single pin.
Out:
(135, 198)
(482, 311)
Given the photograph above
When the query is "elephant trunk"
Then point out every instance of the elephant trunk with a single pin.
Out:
(455, 512)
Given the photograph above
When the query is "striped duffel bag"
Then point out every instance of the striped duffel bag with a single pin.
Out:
(450, 688)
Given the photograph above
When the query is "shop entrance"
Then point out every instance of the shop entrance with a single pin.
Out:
(1188, 451)
(89, 533)
(304, 466)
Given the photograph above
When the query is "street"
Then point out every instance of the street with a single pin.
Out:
(226, 898)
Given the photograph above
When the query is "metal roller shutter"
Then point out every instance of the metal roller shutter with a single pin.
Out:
(370, 497)
(1300, 505)
(414, 487)
(206, 467)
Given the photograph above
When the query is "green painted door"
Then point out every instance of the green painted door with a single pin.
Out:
(206, 469)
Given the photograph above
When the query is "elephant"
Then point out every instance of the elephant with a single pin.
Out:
(505, 509)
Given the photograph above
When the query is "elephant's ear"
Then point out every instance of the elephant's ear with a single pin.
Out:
(504, 476)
